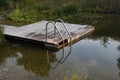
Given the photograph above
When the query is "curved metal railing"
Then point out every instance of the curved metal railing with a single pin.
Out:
(60, 20)
(63, 58)
(55, 28)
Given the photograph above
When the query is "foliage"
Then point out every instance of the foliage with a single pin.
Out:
(18, 15)
(69, 10)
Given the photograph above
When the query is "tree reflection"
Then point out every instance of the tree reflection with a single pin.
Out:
(6, 51)
(107, 27)
(33, 58)
(37, 62)
(104, 42)
(118, 64)
(118, 48)
(40, 62)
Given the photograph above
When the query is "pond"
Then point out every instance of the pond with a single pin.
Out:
(98, 56)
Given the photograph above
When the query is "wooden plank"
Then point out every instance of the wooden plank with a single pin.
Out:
(37, 32)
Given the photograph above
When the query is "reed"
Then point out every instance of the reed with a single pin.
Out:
(76, 77)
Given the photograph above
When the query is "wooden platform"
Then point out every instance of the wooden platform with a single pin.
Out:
(36, 33)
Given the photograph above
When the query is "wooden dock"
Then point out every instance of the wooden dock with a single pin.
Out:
(36, 33)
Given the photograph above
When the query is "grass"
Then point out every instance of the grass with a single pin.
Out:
(76, 77)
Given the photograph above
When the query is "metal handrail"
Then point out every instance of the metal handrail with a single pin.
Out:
(60, 20)
(62, 60)
(55, 28)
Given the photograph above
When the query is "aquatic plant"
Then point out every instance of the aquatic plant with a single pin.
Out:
(76, 77)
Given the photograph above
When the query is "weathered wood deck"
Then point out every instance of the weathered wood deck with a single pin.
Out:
(36, 33)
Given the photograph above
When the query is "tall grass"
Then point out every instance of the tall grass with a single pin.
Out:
(76, 77)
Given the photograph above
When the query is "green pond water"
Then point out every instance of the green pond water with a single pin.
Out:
(98, 56)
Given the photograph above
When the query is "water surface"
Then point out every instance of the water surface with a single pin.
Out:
(97, 55)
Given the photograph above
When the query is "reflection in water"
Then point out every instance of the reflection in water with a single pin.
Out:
(33, 59)
(40, 63)
(36, 62)
(118, 47)
(107, 28)
(104, 41)
(63, 57)
(118, 64)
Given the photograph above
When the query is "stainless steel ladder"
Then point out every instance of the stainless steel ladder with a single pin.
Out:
(56, 28)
